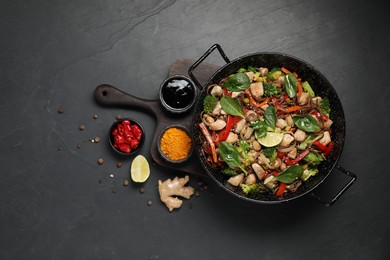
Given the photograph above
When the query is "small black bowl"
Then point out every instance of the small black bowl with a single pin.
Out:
(112, 138)
(159, 144)
(177, 94)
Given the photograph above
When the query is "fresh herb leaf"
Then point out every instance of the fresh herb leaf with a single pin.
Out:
(237, 82)
(290, 175)
(270, 89)
(290, 84)
(325, 106)
(260, 128)
(271, 154)
(229, 172)
(209, 103)
(231, 156)
(231, 106)
(306, 123)
(270, 116)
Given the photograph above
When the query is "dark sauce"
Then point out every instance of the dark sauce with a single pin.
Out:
(178, 93)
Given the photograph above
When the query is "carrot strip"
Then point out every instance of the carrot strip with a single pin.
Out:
(253, 101)
(285, 71)
(263, 103)
(293, 108)
(299, 85)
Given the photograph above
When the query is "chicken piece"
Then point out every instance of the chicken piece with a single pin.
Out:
(257, 89)
(304, 98)
(250, 75)
(217, 109)
(270, 182)
(256, 145)
(232, 138)
(300, 135)
(248, 133)
(235, 94)
(216, 91)
(218, 125)
(240, 125)
(236, 180)
(316, 100)
(250, 179)
(293, 153)
(287, 139)
(280, 80)
(259, 171)
(327, 124)
(289, 120)
(263, 71)
(208, 119)
(325, 140)
(281, 123)
(171, 189)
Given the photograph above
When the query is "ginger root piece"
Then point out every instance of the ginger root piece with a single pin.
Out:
(170, 190)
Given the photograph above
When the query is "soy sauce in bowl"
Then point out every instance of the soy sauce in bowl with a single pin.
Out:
(177, 94)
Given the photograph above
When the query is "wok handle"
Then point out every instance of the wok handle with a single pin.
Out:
(335, 198)
(201, 59)
(110, 96)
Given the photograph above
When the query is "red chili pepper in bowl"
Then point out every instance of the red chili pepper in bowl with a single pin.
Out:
(126, 136)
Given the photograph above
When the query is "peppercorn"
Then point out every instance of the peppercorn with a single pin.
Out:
(61, 110)
(125, 182)
(118, 117)
(142, 190)
(100, 161)
(82, 127)
(119, 164)
(150, 203)
(95, 116)
(97, 139)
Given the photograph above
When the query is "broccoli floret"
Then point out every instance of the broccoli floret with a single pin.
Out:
(274, 74)
(271, 90)
(209, 103)
(313, 158)
(243, 149)
(308, 173)
(308, 140)
(229, 172)
(253, 69)
(325, 106)
(250, 188)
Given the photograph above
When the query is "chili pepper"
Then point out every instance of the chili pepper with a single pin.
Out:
(275, 173)
(134, 143)
(318, 116)
(125, 148)
(119, 139)
(302, 155)
(320, 146)
(114, 132)
(129, 137)
(277, 103)
(281, 155)
(125, 122)
(120, 129)
(282, 188)
(329, 148)
(137, 132)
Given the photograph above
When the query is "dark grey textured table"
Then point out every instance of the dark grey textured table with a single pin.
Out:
(56, 202)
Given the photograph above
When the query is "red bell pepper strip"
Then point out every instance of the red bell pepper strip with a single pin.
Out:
(231, 121)
(282, 188)
(320, 146)
(302, 155)
(329, 148)
(137, 132)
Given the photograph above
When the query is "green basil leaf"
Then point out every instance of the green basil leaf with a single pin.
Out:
(231, 106)
(290, 84)
(290, 175)
(237, 82)
(306, 123)
(270, 116)
(231, 156)
(271, 154)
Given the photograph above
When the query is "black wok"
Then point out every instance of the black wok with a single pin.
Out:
(321, 86)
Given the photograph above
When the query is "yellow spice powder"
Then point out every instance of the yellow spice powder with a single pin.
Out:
(175, 144)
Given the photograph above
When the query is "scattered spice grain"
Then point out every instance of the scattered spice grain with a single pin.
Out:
(97, 139)
(125, 182)
(142, 190)
(61, 110)
(95, 116)
(175, 144)
(82, 127)
(100, 161)
(119, 164)
(150, 203)
(118, 117)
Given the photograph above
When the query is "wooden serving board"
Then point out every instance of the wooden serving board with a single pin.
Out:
(110, 96)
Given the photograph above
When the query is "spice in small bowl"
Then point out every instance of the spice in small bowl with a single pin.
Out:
(175, 144)
(126, 136)
(177, 94)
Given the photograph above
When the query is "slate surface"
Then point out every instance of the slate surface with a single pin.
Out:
(57, 202)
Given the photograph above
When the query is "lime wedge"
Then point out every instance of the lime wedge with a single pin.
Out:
(139, 169)
(271, 139)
